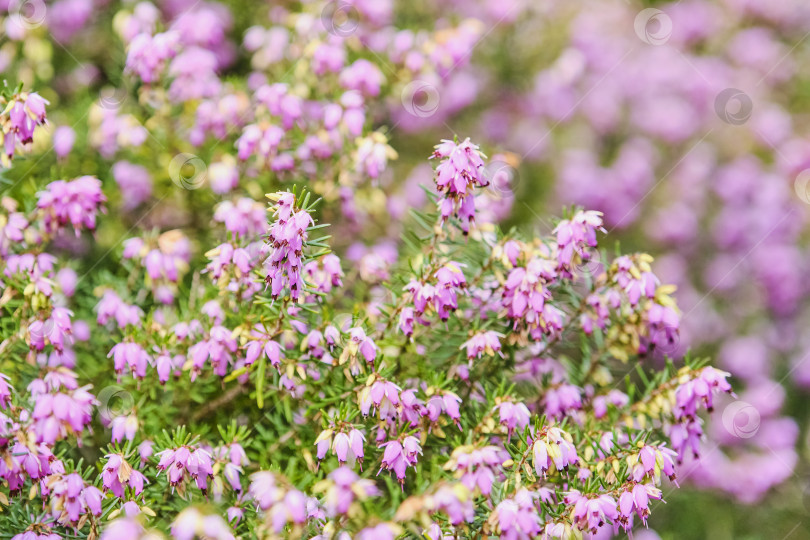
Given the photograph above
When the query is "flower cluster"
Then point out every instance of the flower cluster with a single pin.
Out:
(459, 172)
(21, 114)
(285, 245)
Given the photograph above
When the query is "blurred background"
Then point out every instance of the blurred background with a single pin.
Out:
(684, 122)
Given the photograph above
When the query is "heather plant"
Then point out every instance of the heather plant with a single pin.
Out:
(229, 312)
(493, 384)
(678, 121)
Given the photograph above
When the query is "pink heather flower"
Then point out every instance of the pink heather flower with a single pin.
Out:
(223, 175)
(21, 115)
(637, 500)
(332, 336)
(483, 342)
(231, 267)
(700, 391)
(382, 395)
(76, 202)
(219, 348)
(256, 347)
(135, 183)
(478, 468)
(362, 76)
(457, 175)
(324, 274)
(235, 515)
(92, 498)
(244, 218)
(111, 131)
(590, 514)
(63, 139)
(398, 456)
(165, 366)
(372, 155)
(575, 237)
(344, 488)
(123, 528)
(328, 57)
(32, 462)
(663, 323)
(12, 232)
(443, 297)
(71, 498)
(554, 448)
(56, 330)
(517, 518)
(282, 505)
(67, 279)
(186, 463)
(206, 25)
(354, 112)
(412, 409)
(261, 140)
(454, 501)
(194, 75)
(286, 242)
(525, 296)
(561, 400)
(57, 415)
(166, 262)
(111, 306)
(147, 55)
(145, 450)
(131, 356)
(117, 474)
(263, 489)
(686, 436)
(617, 398)
(652, 461)
(191, 523)
(635, 287)
(406, 320)
(365, 345)
(383, 531)
(445, 403)
(434, 532)
(280, 102)
(512, 251)
(513, 416)
(124, 427)
(5, 391)
(237, 455)
(213, 311)
(66, 17)
(142, 21)
(348, 447)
